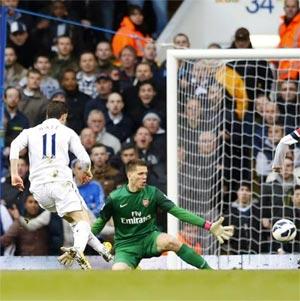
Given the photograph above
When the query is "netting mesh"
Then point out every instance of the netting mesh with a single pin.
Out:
(231, 115)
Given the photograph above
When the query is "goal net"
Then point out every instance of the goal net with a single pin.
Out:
(227, 110)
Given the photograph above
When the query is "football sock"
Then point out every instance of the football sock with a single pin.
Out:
(81, 232)
(94, 242)
(189, 255)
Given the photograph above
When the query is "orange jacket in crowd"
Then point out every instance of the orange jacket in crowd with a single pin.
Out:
(121, 38)
(289, 38)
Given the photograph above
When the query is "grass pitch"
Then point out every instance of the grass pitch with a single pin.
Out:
(150, 285)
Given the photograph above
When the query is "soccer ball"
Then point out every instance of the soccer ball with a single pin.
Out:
(284, 230)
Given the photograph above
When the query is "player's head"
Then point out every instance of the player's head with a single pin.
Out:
(137, 172)
(58, 110)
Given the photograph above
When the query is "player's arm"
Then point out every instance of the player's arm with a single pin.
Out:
(19, 143)
(79, 151)
(221, 232)
(105, 215)
(283, 147)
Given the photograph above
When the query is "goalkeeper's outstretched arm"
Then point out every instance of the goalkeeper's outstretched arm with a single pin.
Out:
(283, 147)
(220, 232)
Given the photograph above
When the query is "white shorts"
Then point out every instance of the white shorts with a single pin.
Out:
(60, 197)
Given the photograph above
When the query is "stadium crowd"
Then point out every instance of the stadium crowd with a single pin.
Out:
(116, 94)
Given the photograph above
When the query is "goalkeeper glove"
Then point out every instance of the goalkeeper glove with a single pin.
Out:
(221, 232)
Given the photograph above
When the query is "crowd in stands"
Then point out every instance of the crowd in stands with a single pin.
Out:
(116, 94)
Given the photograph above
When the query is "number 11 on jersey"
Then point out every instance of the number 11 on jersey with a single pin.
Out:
(53, 137)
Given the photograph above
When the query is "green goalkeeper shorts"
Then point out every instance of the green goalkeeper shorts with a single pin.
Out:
(133, 252)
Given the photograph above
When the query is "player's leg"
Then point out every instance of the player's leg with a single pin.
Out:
(72, 208)
(166, 242)
(127, 257)
(92, 240)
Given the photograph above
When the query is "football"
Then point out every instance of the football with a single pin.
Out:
(284, 230)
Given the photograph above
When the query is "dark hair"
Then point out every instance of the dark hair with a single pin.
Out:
(99, 145)
(34, 71)
(12, 87)
(132, 8)
(245, 184)
(56, 109)
(40, 55)
(131, 166)
(148, 82)
(127, 145)
(297, 187)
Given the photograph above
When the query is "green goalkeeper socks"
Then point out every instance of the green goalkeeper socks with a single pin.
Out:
(191, 257)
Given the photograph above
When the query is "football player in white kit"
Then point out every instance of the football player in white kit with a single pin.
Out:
(51, 180)
(282, 148)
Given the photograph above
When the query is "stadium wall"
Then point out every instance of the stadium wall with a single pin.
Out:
(261, 18)
(245, 262)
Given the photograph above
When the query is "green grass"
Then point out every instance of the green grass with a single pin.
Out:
(150, 285)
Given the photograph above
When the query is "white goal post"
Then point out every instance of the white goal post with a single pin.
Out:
(174, 57)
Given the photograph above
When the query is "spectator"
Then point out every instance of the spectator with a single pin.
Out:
(91, 192)
(50, 30)
(75, 100)
(271, 116)
(131, 32)
(289, 32)
(20, 40)
(88, 139)
(64, 59)
(96, 122)
(143, 73)
(86, 77)
(152, 121)
(160, 8)
(289, 104)
(48, 83)
(28, 243)
(128, 59)
(117, 122)
(12, 195)
(105, 58)
(257, 74)
(147, 101)
(154, 159)
(104, 87)
(149, 57)
(14, 15)
(181, 41)
(127, 153)
(13, 70)
(15, 120)
(33, 103)
(58, 95)
(244, 215)
(264, 157)
(102, 171)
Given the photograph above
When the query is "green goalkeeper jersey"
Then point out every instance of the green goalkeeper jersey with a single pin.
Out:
(134, 213)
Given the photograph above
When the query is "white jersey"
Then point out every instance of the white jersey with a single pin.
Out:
(283, 147)
(48, 145)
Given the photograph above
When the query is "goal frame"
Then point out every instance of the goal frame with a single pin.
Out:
(173, 56)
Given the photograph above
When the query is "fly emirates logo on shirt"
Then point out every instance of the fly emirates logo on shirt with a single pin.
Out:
(137, 218)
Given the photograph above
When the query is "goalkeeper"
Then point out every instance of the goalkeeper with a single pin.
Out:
(133, 209)
(282, 148)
